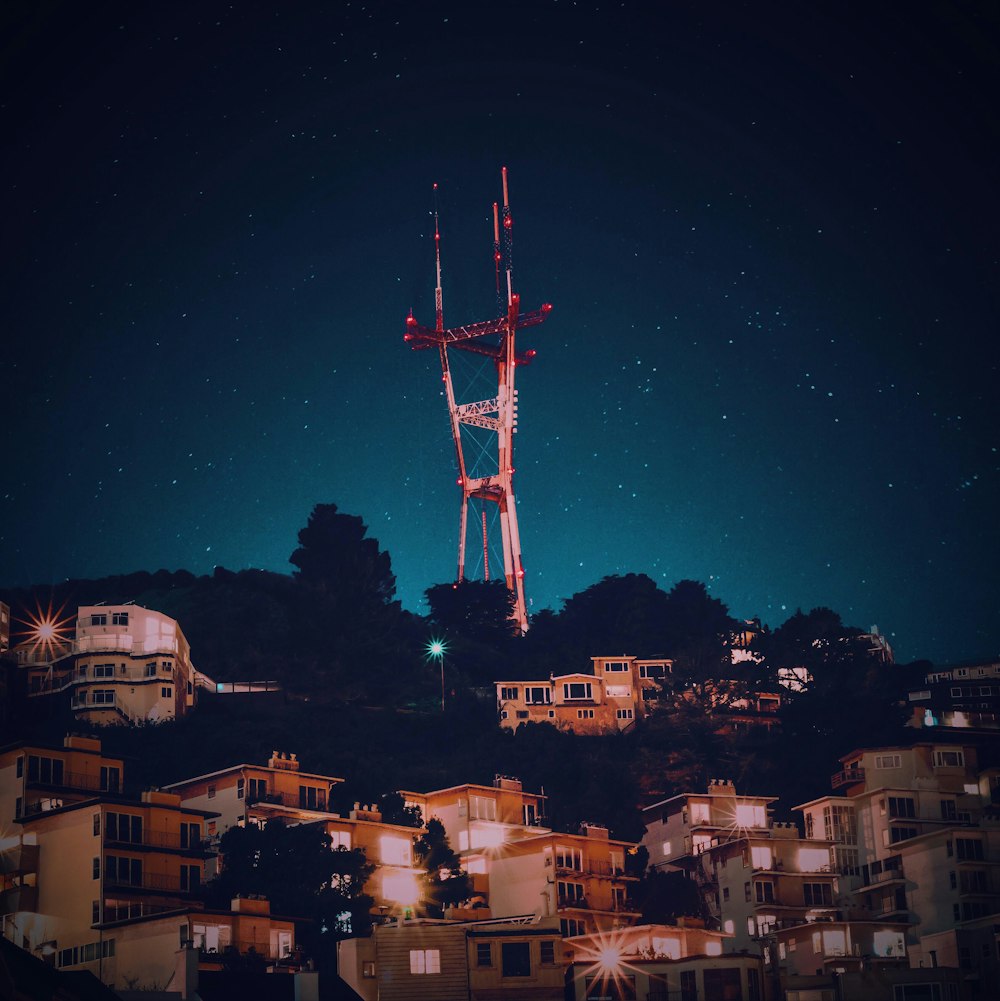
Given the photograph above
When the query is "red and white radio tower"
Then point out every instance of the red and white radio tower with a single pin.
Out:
(493, 339)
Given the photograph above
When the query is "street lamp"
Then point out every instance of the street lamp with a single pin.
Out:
(436, 651)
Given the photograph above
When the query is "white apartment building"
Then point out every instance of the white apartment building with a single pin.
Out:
(124, 664)
(916, 841)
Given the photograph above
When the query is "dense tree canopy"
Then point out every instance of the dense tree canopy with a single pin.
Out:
(333, 635)
(445, 883)
(295, 868)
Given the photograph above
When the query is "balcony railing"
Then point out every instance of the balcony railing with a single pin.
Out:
(591, 868)
(288, 799)
(150, 881)
(20, 858)
(885, 876)
(161, 839)
(69, 780)
(19, 898)
(849, 776)
(243, 946)
(118, 705)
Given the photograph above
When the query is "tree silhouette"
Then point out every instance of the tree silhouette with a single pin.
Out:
(618, 615)
(296, 870)
(335, 556)
(445, 883)
(473, 618)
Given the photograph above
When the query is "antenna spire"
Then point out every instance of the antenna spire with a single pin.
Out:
(438, 291)
(508, 238)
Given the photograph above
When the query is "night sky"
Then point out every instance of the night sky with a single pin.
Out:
(769, 234)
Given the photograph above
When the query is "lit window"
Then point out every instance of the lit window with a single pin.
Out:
(400, 887)
(750, 815)
(482, 808)
(340, 839)
(425, 961)
(394, 851)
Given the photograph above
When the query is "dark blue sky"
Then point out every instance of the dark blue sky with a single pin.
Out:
(769, 233)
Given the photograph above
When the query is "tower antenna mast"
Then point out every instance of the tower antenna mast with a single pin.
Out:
(493, 339)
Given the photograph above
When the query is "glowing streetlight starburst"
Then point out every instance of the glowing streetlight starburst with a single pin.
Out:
(49, 632)
(436, 649)
(605, 954)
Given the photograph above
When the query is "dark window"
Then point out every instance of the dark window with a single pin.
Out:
(96, 868)
(948, 809)
(516, 959)
(95, 912)
(901, 806)
(97, 823)
(190, 878)
(765, 893)
(817, 893)
(48, 771)
(110, 779)
(689, 986)
(967, 848)
(311, 798)
(119, 619)
(548, 952)
(484, 954)
(20, 765)
(721, 984)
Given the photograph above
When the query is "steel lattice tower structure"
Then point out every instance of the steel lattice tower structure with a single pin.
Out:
(493, 339)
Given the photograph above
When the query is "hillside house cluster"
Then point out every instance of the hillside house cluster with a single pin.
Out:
(889, 889)
(609, 698)
(898, 870)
